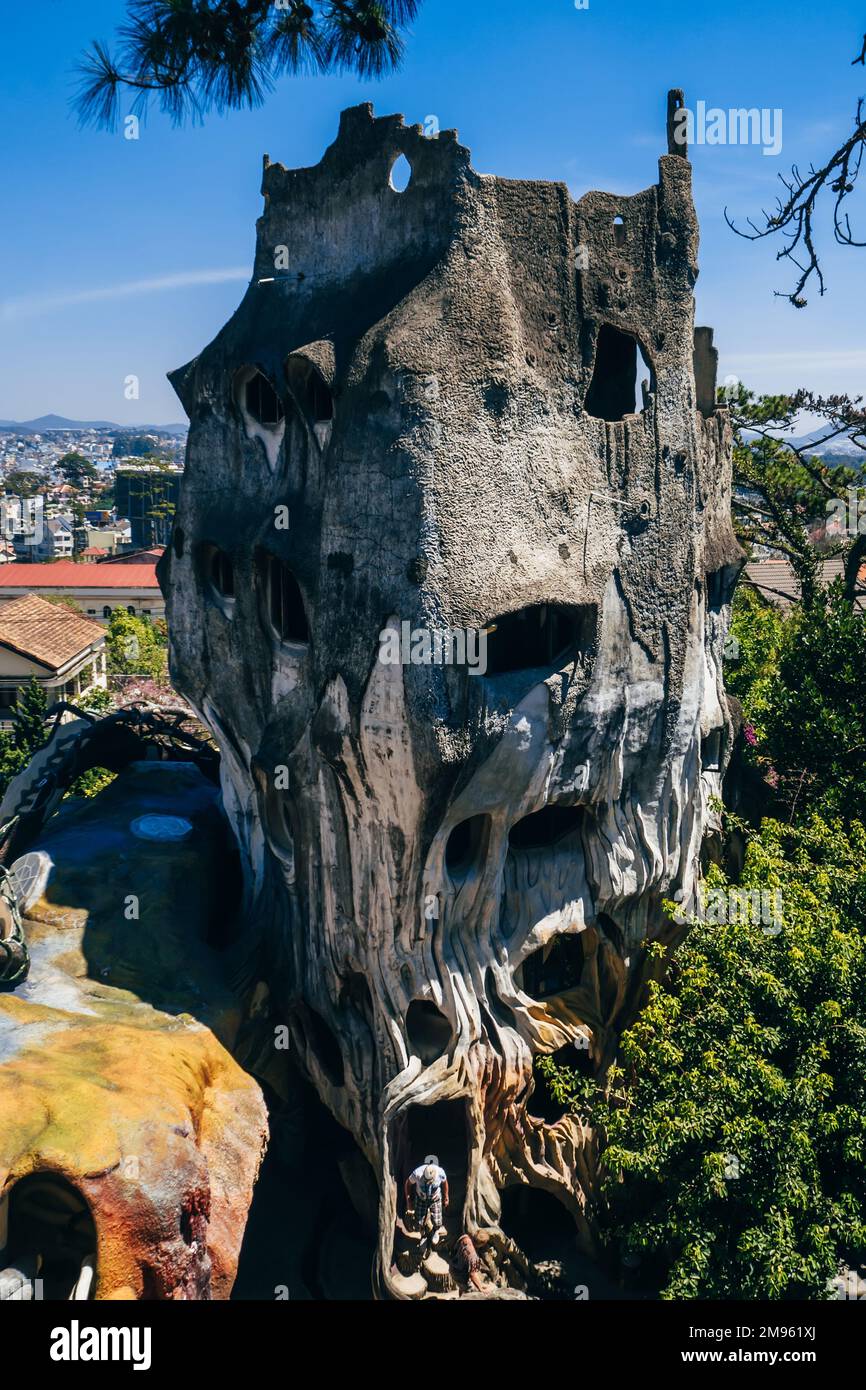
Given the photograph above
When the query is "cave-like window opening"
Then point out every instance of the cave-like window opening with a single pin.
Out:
(219, 571)
(539, 636)
(614, 390)
(554, 968)
(428, 1030)
(546, 827)
(465, 847)
(262, 401)
(51, 1236)
(310, 390)
(285, 603)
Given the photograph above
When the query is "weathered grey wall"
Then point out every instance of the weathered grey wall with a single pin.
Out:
(461, 479)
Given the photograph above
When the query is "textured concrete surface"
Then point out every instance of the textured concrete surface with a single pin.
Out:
(460, 438)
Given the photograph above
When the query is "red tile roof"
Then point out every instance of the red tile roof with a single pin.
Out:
(47, 632)
(65, 574)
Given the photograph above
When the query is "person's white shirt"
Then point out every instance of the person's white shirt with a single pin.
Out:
(419, 1181)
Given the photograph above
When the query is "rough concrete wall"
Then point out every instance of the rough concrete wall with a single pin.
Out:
(462, 478)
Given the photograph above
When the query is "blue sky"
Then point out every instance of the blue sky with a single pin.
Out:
(123, 257)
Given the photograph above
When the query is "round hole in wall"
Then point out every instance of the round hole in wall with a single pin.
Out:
(401, 174)
(428, 1030)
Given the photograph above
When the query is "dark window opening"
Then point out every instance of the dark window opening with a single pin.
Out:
(554, 968)
(711, 751)
(310, 390)
(542, 635)
(130, 608)
(262, 401)
(428, 1030)
(618, 232)
(285, 603)
(465, 846)
(543, 1229)
(441, 1129)
(320, 400)
(614, 390)
(720, 587)
(48, 1217)
(546, 827)
(106, 611)
(218, 571)
(322, 1041)
(9, 698)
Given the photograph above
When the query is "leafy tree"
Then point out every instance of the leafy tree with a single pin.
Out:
(195, 56)
(734, 1122)
(751, 670)
(77, 469)
(29, 732)
(781, 487)
(23, 484)
(815, 721)
(132, 446)
(135, 647)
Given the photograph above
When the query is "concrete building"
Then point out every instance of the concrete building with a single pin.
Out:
(147, 496)
(65, 652)
(96, 588)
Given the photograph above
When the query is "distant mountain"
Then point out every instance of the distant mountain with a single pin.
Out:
(840, 449)
(834, 447)
(46, 423)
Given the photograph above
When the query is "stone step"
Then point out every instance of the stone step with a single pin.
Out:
(437, 1273)
(409, 1285)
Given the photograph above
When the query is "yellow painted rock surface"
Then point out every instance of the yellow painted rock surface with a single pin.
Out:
(123, 1094)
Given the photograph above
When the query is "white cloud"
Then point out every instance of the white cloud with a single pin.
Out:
(29, 306)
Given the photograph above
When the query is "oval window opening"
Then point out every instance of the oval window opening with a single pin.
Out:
(401, 174)
(465, 846)
(286, 603)
(262, 402)
(218, 571)
(427, 1029)
(310, 390)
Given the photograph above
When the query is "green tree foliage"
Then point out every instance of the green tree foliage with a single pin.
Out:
(27, 735)
(23, 484)
(752, 666)
(735, 1124)
(195, 56)
(133, 446)
(76, 469)
(135, 647)
(782, 487)
(815, 718)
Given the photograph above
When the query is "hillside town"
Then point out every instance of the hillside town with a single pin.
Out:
(85, 514)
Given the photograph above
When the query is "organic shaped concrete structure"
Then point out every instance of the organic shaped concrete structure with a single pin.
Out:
(423, 418)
